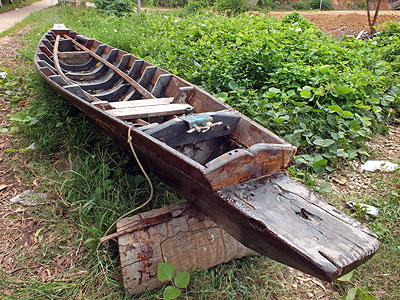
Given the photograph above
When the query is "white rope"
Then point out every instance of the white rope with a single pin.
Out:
(129, 141)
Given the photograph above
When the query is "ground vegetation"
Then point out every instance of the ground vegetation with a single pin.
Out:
(326, 96)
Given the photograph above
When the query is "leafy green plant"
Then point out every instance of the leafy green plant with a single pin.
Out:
(359, 293)
(195, 5)
(117, 7)
(168, 3)
(312, 4)
(231, 6)
(165, 272)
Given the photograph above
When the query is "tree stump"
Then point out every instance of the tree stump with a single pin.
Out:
(178, 234)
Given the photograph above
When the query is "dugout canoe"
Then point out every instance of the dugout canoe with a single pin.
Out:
(223, 163)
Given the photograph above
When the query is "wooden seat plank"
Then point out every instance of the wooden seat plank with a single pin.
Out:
(150, 111)
(135, 103)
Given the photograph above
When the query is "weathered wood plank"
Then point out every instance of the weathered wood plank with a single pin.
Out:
(240, 165)
(136, 103)
(182, 236)
(144, 81)
(302, 229)
(150, 111)
(160, 85)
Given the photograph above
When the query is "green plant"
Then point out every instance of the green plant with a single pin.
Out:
(165, 272)
(231, 6)
(312, 4)
(195, 5)
(168, 3)
(117, 7)
(360, 292)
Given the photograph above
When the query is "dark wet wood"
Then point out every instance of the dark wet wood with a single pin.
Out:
(177, 234)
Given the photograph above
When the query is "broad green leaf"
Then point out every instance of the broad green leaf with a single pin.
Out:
(171, 292)
(165, 271)
(335, 108)
(363, 152)
(222, 95)
(346, 277)
(342, 153)
(324, 69)
(351, 294)
(305, 93)
(20, 117)
(3, 130)
(323, 142)
(299, 104)
(259, 119)
(364, 294)
(291, 93)
(233, 85)
(342, 90)
(347, 113)
(274, 90)
(182, 279)
(58, 124)
(354, 124)
(319, 165)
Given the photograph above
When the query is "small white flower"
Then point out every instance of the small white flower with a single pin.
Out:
(115, 30)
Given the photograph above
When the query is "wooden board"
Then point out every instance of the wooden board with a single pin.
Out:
(182, 236)
(150, 111)
(240, 165)
(135, 103)
(174, 132)
(302, 229)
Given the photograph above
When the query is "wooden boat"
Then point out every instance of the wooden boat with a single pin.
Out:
(223, 163)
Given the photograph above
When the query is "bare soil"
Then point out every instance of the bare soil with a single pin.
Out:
(338, 23)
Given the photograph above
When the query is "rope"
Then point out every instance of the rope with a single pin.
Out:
(129, 141)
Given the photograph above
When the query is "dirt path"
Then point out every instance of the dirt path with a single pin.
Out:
(9, 19)
(338, 23)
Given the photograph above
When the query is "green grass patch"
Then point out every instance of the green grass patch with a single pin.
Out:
(323, 95)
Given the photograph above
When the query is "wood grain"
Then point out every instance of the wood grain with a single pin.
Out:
(186, 238)
(240, 165)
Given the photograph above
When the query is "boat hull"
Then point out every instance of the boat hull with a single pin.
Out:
(263, 207)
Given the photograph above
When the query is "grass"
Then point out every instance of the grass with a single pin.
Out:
(17, 4)
(90, 182)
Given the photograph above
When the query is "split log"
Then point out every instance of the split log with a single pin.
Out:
(178, 234)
